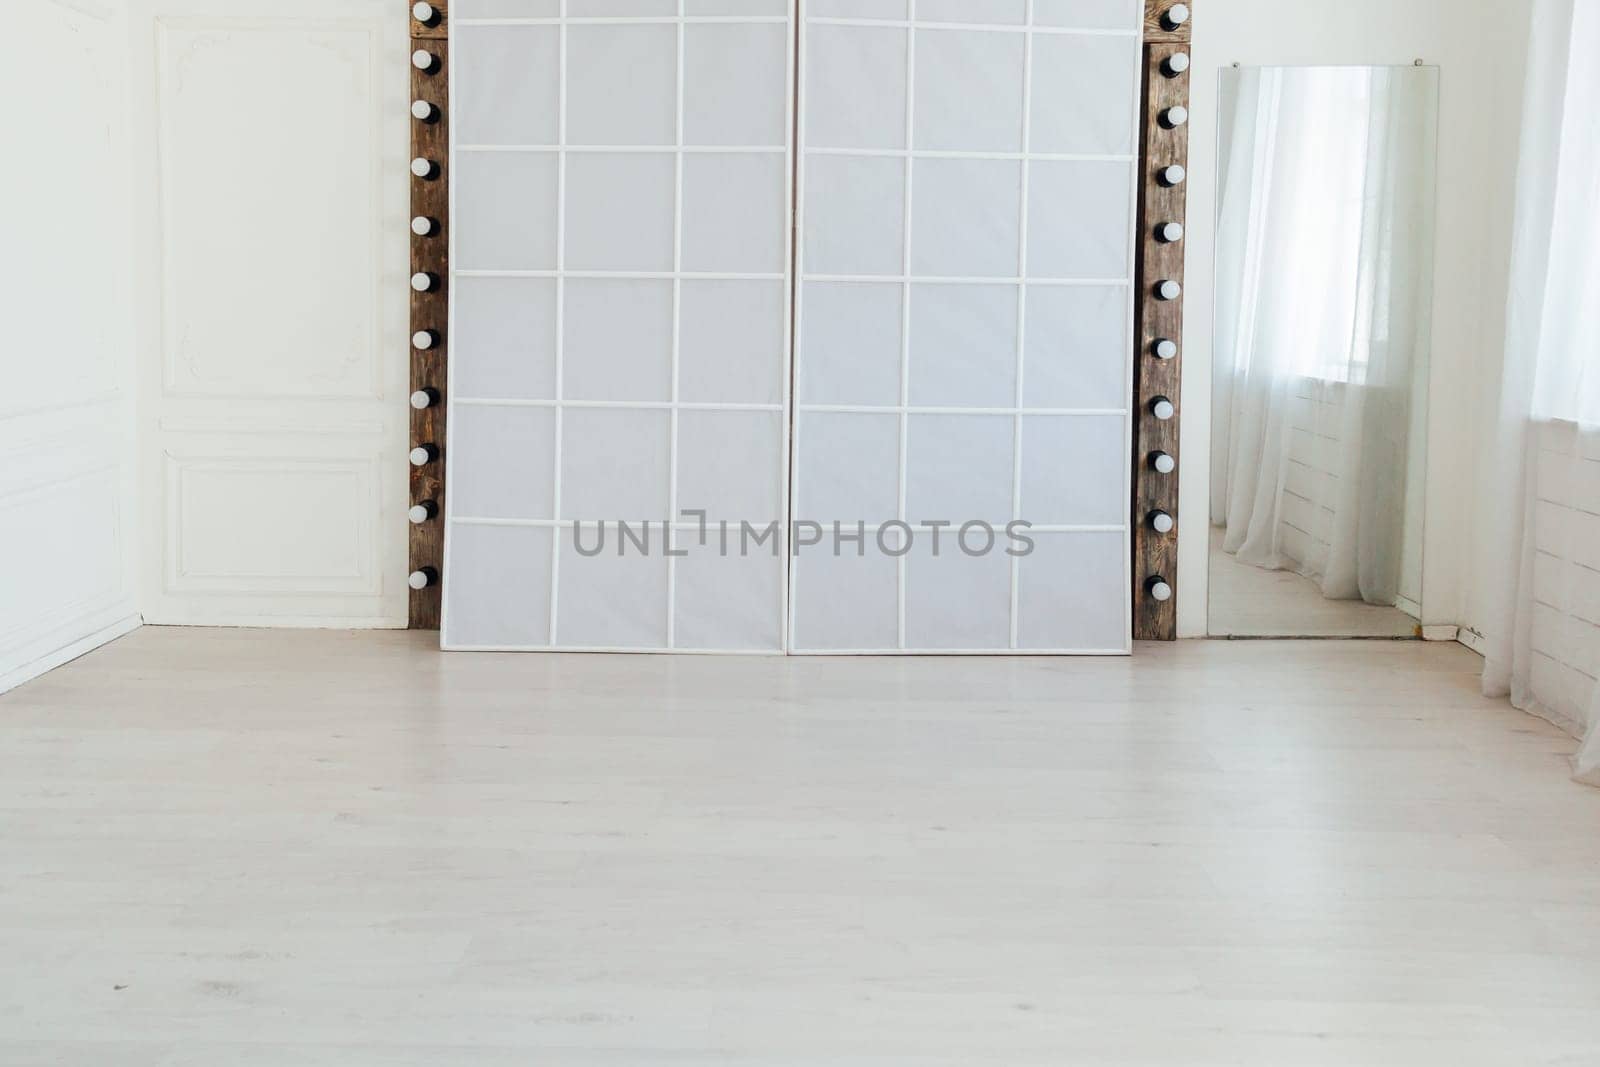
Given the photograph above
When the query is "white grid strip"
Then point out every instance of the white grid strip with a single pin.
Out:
(913, 23)
(632, 149)
(635, 405)
(620, 20)
(677, 325)
(1022, 317)
(905, 315)
(561, 325)
(871, 528)
(1006, 157)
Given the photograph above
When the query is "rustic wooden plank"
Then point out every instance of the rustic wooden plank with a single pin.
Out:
(438, 29)
(1156, 28)
(1156, 554)
(430, 198)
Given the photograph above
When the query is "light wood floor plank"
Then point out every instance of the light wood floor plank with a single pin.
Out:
(266, 848)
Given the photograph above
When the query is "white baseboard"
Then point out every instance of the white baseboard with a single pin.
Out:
(1440, 633)
(50, 661)
(1473, 640)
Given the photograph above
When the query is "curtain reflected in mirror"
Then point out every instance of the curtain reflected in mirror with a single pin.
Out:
(1324, 281)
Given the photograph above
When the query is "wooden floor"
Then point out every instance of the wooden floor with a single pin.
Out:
(297, 848)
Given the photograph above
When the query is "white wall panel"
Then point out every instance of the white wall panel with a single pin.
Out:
(963, 326)
(620, 307)
(274, 348)
(66, 486)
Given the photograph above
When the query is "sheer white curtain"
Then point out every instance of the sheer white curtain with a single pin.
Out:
(1323, 279)
(1543, 621)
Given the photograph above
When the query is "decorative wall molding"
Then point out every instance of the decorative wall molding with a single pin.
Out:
(352, 567)
(347, 363)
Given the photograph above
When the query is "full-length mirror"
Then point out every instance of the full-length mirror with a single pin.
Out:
(1324, 280)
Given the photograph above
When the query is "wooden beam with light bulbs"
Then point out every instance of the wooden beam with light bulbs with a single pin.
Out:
(1158, 318)
(430, 272)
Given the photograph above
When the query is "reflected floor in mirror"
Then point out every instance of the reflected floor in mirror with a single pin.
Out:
(1247, 601)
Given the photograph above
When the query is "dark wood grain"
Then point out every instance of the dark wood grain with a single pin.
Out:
(438, 31)
(1155, 28)
(1156, 554)
(429, 311)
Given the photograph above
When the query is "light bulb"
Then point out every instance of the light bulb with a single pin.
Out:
(421, 513)
(1168, 290)
(423, 282)
(423, 60)
(423, 455)
(424, 13)
(1175, 16)
(1162, 463)
(424, 168)
(1172, 175)
(423, 399)
(422, 226)
(423, 111)
(1176, 64)
(1169, 232)
(1158, 589)
(1162, 408)
(421, 579)
(1161, 522)
(1165, 349)
(1175, 116)
(423, 340)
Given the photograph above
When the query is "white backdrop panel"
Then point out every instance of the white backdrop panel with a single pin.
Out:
(963, 326)
(619, 322)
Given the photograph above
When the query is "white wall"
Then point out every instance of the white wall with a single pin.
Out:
(1565, 634)
(66, 484)
(1479, 47)
(271, 186)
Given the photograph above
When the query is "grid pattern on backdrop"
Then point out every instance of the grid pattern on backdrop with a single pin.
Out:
(619, 324)
(962, 348)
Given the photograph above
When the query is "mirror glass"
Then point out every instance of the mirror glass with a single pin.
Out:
(1324, 288)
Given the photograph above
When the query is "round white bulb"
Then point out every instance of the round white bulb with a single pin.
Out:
(1169, 290)
(422, 168)
(419, 514)
(1178, 14)
(422, 399)
(423, 12)
(1173, 175)
(1164, 463)
(424, 340)
(421, 456)
(422, 226)
(1160, 590)
(422, 281)
(1171, 232)
(422, 110)
(1163, 409)
(420, 580)
(1177, 63)
(1176, 115)
(422, 59)
(1166, 349)
(1161, 522)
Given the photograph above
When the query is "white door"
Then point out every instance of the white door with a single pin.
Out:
(270, 196)
(963, 353)
(619, 342)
